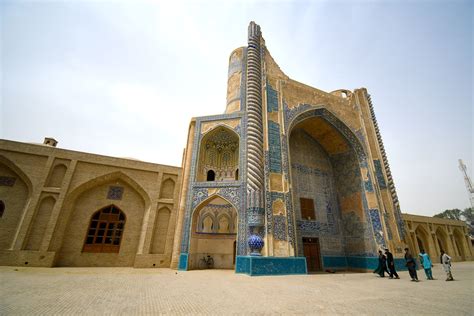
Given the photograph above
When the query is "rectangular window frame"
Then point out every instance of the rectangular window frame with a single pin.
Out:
(307, 208)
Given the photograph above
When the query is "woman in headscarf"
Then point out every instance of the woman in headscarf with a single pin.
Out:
(382, 267)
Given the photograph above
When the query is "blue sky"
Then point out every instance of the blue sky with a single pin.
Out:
(124, 78)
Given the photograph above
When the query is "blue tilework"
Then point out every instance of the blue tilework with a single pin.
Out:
(368, 184)
(234, 191)
(371, 263)
(334, 262)
(346, 173)
(242, 264)
(377, 226)
(387, 224)
(272, 99)
(290, 217)
(301, 112)
(255, 216)
(379, 174)
(279, 227)
(183, 262)
(274, 146)
(256, 266)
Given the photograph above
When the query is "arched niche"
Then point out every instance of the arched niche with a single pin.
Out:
(218, 155)
(167, 189)
(40, 223)
(15, 195)
(56, 177)
(422, 237)
(103, 183)
(213, 232)
(80, 206)
(459, 243)
(161, 230)
(327, 186)
(443, 241)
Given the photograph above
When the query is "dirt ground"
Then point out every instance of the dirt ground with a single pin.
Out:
(128, 291)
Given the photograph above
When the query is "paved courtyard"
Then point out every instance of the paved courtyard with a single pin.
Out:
(127, 291)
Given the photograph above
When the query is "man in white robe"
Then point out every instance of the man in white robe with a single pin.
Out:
(446, 262)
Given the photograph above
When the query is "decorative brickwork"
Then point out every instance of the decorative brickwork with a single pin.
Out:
(274, 146)
(7, 181)
(379, 174)
(377, 226)
(272, 99)
(115, 193)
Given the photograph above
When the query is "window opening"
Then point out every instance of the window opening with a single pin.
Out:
(211, 175)
(105, 230)
(307, 209)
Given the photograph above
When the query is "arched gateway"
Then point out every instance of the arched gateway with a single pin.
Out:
(288, 180)
(213, 233)
(305, 170)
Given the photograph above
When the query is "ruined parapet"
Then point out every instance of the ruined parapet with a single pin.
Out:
(235, 79)
(390, 183)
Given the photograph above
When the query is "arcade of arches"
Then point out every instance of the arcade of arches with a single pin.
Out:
(55, 228)
(436, 234)
(67, 208)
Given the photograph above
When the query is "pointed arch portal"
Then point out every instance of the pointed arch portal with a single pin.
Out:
(213, 232)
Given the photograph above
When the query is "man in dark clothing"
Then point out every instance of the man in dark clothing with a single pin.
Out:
(391, 265)
(411, 265)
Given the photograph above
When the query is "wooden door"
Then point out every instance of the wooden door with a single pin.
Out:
(311, 252)
(235, 252)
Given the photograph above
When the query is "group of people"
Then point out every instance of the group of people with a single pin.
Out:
(387, 264)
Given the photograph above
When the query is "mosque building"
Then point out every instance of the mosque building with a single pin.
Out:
(289, 180)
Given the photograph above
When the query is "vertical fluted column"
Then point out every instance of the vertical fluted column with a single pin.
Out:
(255, 173)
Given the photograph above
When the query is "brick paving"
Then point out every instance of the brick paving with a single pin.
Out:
(127, 291)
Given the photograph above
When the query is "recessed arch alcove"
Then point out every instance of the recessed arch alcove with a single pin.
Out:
(459, 243)
(422, 237)
(327, 191)
(81, 205)
(218, 155)
(442, 237)
(214, 232)
(15, 195)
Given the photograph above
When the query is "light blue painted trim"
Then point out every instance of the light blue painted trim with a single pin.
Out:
(335, 262)
(183, 262)
(260, 266)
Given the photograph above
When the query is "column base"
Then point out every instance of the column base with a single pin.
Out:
(183, 262)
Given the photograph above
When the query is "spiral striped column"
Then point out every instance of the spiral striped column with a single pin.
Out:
(255, 156)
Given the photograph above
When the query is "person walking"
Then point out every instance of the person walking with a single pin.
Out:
(446, 262)
(411, 265)
(382, 268)
(391, 265)
(426, 263)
